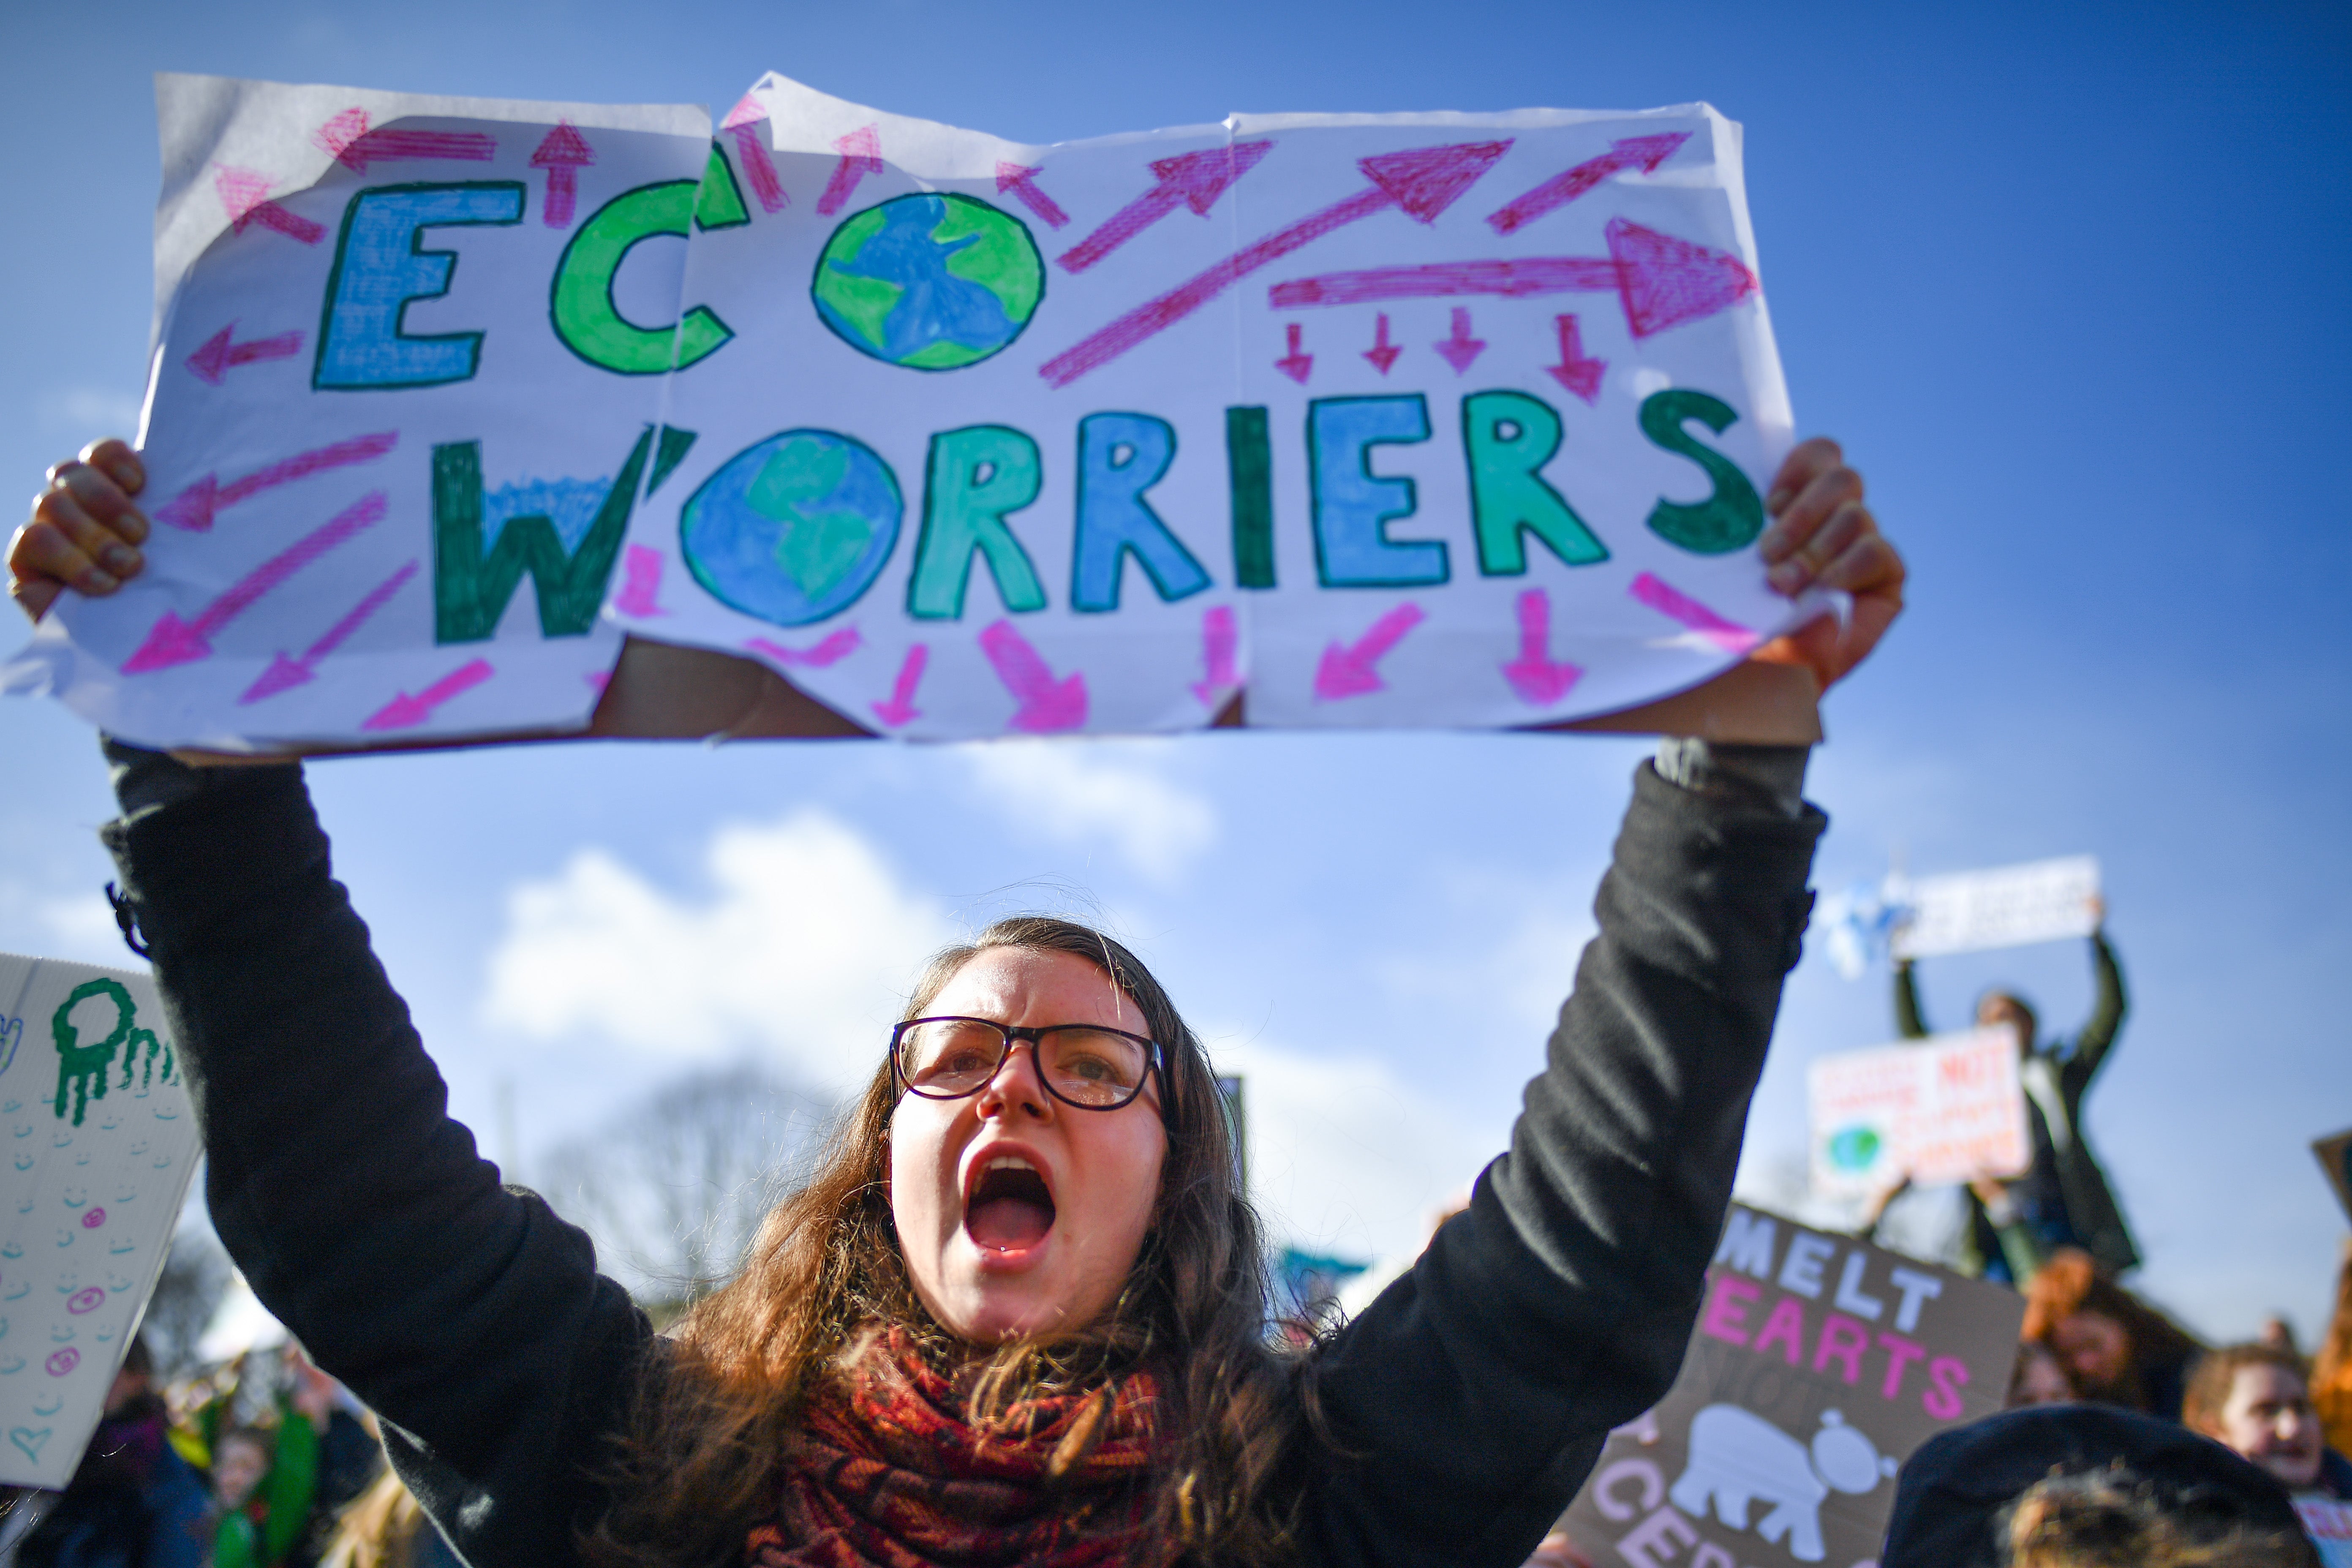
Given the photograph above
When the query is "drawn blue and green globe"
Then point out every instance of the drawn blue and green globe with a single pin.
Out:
(930, 281)
(793, 528)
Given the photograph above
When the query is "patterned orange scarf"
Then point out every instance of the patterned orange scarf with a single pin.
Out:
(887, 1472)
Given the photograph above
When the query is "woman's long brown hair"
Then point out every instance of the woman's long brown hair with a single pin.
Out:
(698, 1467)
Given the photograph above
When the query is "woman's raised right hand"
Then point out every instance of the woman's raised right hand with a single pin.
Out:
(85, 530)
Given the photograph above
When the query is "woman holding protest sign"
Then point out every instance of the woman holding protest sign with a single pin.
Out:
(1018, 1313)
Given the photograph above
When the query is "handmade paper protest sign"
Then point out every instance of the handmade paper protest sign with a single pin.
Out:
(100, 1144)
(1370, 420)
(407, 363)
(1948, 1109)
(2335, 1156)
(2042, 900)
(1819, 1365)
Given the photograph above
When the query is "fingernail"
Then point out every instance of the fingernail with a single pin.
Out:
(96, 582)
(120, 560)
(1772, 544)
(125, 472)
(134, 525)
(1787, 577)
(1778, 501)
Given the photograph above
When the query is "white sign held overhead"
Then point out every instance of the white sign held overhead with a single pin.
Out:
(101, 1141)
(1948, 1109)
(2012, 906)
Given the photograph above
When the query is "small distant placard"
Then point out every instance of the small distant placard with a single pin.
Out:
(1948, 1109)
(100, 1142)
(1819, 1363)
(2335, 1159)
(2011, 906)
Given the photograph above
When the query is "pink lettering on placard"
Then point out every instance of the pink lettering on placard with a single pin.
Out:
(1946, 1375)
(1574, 372)
(1900, 1354)
(743, 123)
(1047, 705)
(1191, 179)
(88, 1298)
(898, 707)
(62, 1362)
(832, 650)
(861, 154)
(196, 506)
(403, 711)
(563, 155)
(1422, 183)
(1382, 353)
(175, 641)
(1459, 349)
(244, 193)
(1298, 365)
(1643, 153)
(218, 355)
(1021, 181)
(1845, 1341)
(354, 146)
(1539, 678)
(284, 674)
(1675, 605)
(1220, 651)
(641, 576)
(1354, 671)
(1785, 1325)
(1725, 1318)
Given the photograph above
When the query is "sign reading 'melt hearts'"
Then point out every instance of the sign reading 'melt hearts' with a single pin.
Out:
(1366, 420)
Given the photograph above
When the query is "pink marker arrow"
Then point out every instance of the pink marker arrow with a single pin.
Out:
(861, 154)
(244, 193)
(1382, 353)
(405, 713)
(1193, 179)
(1047, 705)
(743, 123)
(1535, 675)
(563, 155)
(1675, 605)
(1422, 182)
(284, 673)
(355, 146)
(1574, 372)
(175, 641)
(1661, 282)
(1220, 645)
(1643, 153)
(1354, 672)
(194, 508)
(1022, 181)
(1459, 349)
(641, 573)
(1298, 365)
(217, 356)
(899, 707)
(832, 650)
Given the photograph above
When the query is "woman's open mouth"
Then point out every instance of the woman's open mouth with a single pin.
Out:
(1011, 1207)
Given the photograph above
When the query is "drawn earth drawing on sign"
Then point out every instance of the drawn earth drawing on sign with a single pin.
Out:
(1285, 411)
(101, 1155)
(1941, 1110)
(1818, 1364)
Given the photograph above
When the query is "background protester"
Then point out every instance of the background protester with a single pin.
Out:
(2112, 1518)
(133, 1502)
(2040, 1378)
(385, 1527)
(2118, 1349)
(2331, 1369)
(2063, 1199)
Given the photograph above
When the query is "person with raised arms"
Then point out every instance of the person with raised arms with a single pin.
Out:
(1019, 1312)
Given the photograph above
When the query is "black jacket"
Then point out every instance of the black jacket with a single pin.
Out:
(1477, 1392)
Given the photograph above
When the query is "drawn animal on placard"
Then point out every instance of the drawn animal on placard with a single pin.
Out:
(81, 1069)
(1737, 1458)
(29, 1440)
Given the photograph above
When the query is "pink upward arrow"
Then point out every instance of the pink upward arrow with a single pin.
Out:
(1220, 649)
(175, 641)
(1577, 374)
(563, 154)
(354, 146)
(1424, 182)
(1047, 705)
(284, 673)
(1459, 349)
(1193, 179)
(743, 123)
(217, 356)
(861, 154)
(1022, 181)
(405, 713)
(194, 508)
(1643, 153)
(1354, 672)
(899, 707)
(1539, 678)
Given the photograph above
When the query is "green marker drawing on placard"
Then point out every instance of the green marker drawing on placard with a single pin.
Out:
(81, 1069)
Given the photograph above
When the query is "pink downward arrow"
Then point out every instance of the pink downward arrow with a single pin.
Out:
(218, 355)
(1022, 181)
(831, 649)
(284, 673)
(1535, 675)
(194, 508)
(1354, 672)
(1220, 645)
(405, 713)
(861, 154)
(1298, 365)
(1047, 705)
(743, 123)
(175, 641)
(1382, 353)
(1675, 605)
(1574, 372)
(899, 707)
(1459, 349)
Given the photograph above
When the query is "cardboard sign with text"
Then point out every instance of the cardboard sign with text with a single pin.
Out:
(1819, 1364)
(1944, 1110)
(2010, 906)
(2335, 1159)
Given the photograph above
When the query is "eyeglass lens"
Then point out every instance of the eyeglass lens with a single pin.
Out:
(948, 1057)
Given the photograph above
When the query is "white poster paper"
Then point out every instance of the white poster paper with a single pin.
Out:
(101, 1143)
(1946, 1109)
(2042, 900)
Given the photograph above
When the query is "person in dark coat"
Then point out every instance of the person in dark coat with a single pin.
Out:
(133, 1502)
(1017, 1312)
(2063, 1199)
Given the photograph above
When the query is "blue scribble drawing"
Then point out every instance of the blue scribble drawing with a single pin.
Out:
(119, 1248)
(10, 1363)
(18, 1294)
(10, 1108)
(12, 1035)
(68, 1283)
(571, 505)
(50, 1406)
(64, 1235)
(61, 1334)
(24, 1161)
(12, 1250)
(77, 1197)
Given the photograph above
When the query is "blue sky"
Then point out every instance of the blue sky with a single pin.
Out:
(2067, 281)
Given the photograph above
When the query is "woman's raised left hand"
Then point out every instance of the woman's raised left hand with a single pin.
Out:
(1822, 536)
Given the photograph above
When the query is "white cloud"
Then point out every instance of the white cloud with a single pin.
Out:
(1105, 793)
(81, 414)
(802, 950)
(76, 926)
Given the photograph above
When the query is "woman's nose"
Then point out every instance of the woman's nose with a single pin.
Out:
(1016, 1084)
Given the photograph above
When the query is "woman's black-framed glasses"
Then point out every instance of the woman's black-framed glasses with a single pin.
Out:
(1082, 1065)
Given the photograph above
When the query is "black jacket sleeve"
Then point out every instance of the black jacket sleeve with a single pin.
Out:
(2098, 1036)
(1473, 1396)
(465, 1313)
(1908, 1021)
